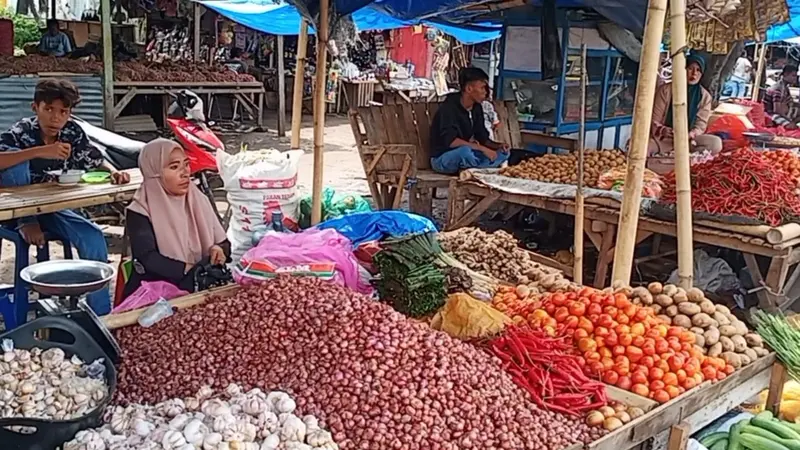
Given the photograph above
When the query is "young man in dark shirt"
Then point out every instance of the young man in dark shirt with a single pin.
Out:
(51, 141)
(459, 138)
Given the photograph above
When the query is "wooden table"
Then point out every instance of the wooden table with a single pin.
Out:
(46, 198)
(469, 199)
(250, 94)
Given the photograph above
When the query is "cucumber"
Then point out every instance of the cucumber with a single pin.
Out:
(735, 434)
(751, 429)
(753, 442)
(713, 438)
(775, 426)
(765, 415)
(720, 445)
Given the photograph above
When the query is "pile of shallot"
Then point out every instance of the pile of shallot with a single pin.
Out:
(374, 378)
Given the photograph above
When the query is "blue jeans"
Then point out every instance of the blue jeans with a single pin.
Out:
(735, 88)
(84, 235)
(464, 157)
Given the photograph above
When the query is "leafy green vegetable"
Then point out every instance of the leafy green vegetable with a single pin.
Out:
(26, 29)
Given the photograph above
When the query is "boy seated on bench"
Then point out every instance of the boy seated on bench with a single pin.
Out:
(459, 138)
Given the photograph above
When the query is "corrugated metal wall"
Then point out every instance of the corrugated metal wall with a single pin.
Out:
(16, 96)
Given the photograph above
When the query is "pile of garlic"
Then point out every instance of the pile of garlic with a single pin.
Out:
(245, 421)
(44, 384)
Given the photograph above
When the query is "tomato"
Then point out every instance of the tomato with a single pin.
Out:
(558, 299)
(591, 356)
(601, 331)
(623, 319)
(663, 365)
(634, 353)
(688, 337)
(681, 376)
(612, 339)
(600, 342)
(673, 391)
(605, 321)
(608, 300)
(594, 308)
(586, 292)
(656, 373)
(622, 329)
(676, 362)
(624, 382)
(618, 350)
(561, 314)
(729, 369)
(674, 331)
(587, 345)
(580, 333)
(605, 352)
(652, 334)
(577, 309)
(709, 373)
(721, 375)
(621, 300)
(640, 389)
(647, 361)
(610, 377)
(596, 367)
(630, 310)
(689, 383)
(639, 377)
(585, 324)
(657, 385)
(571, 296)
(637, 329)
(662, 330)
(661, 396)
(625, 339)
(649, 348)
(638, 341)
(571, 322)
(641, 314)
(608, 363)
(674, 344)
(550, 309)
(611, 311)
(593, 318)
(670, 379)
(662, 346)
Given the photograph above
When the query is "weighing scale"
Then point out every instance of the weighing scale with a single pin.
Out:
(62, 286)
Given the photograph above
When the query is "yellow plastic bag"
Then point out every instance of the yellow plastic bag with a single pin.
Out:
(464, 317)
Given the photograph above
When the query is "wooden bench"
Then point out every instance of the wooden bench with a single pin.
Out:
(394, 144)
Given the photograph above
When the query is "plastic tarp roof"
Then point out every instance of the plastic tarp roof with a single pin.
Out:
(284, 19)
(790, 29)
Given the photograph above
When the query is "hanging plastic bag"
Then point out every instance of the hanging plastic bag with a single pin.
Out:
(147, 294)
(318, 253)
(464, 317)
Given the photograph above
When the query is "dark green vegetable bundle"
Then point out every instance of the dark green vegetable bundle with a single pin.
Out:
(782, 337)
(410, 279)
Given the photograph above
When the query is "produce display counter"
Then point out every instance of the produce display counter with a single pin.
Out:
(687, 413)
(781, 245)
(250, 94)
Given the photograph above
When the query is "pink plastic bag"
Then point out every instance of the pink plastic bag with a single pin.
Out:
(147, 294)
(324, 254)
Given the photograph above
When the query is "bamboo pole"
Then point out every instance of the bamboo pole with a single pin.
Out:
(319, 112)
(299, 78)
(108, 65)
(680, 124)
(281, 89)
(198, 15)
(577, 267)
(759, 71)
(637, 155)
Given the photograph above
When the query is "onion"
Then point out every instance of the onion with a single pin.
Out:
(595, 419)
(612, 423)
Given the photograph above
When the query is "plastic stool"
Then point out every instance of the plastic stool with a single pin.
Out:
(15, 309)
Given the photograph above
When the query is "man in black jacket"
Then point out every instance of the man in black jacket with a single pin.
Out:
(459, 138)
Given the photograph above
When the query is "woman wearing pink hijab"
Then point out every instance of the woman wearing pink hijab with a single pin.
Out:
(171, 224)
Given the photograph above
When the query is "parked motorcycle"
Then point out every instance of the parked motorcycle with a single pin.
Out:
(187, 121)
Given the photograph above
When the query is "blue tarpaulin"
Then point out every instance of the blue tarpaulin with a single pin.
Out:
(790, 29)
(284, 19)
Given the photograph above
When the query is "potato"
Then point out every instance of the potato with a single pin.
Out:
(689, 309)
(751, 354)
(707, 306)
(680, 297)
(712, 336)
(760, 351)
(702, 320)
(741, 327)
(697, 330)
(699, 340)
(656, 308)
(655, 288)
(715, 350)
(672, 311)
(640, 292)
(627, 290)
(664, 300)
(664, 318)
(722, 308)
(732, 359)
(682, 320)
(727, 330)
(695, 295)
(753, 340)
(745, 359)
(670, 289)
(739, 344)
(727, 344)
(721, 319)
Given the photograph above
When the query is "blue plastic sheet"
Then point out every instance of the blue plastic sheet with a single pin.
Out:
(284, 19)
(372, 226)
(790, 29)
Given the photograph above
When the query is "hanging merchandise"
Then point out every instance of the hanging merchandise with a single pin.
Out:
(749, 22)
(552, 63)
(708, 10)
(169, 45)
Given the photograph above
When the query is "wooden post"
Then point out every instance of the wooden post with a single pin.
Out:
(297, 94)
(679, 434)
(680, 124)
(319, 112)
(198, 14)
(577, 268)
(759, 71)
(777, 379)
(637, 155)
(281, 90)
(108, 65)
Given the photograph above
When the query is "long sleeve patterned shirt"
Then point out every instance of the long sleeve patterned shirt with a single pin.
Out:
(27, 134)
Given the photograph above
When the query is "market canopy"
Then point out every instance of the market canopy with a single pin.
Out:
(284, 19)
(788, 30)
